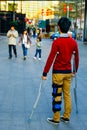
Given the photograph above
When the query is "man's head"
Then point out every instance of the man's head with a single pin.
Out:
(12, 27)
(64, 24)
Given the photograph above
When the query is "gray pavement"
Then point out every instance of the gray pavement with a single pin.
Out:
(19, 84)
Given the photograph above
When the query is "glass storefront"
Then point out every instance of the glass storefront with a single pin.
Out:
(36, 11)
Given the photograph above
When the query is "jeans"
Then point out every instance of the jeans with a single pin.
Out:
(38, 51)
(24, 50)
(10, 50)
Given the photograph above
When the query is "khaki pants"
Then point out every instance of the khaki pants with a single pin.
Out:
(61, 83)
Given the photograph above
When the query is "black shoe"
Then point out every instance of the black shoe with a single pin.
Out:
(50, 120)
(15, 56)
(65, 120)
(24, 58)
(9, 57)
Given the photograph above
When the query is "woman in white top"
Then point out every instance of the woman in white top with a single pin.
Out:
(26, 42)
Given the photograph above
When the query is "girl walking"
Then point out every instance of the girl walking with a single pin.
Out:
(26, 42)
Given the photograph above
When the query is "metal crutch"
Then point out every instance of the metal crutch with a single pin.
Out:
(75, 88)
(75, 94)
(37, 99)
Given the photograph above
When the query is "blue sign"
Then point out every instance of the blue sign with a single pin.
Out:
(42, 24)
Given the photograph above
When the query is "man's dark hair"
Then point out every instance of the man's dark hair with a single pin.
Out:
(64, 24)
(12, 26)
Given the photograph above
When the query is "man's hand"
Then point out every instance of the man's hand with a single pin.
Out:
(30, 43)
(44, 77)
(12, 35)
(73, 74)
(19, 43)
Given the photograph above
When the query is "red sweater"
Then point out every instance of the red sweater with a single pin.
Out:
(61, 54)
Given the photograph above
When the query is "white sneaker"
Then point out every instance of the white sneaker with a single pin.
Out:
(39, 59)
(34, 58)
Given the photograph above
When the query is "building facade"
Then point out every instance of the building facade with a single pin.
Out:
(32, 9)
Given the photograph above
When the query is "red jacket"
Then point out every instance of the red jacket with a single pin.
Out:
(61, 55)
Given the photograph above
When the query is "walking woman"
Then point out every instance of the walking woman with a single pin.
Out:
(26, 42)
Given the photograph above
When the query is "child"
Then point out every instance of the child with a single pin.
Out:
(25, 40)
(38, 48)
(60, 55)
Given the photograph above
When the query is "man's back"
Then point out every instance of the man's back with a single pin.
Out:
(66, 46)
(62, 50)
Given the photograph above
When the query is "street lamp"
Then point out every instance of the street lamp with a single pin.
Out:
(85, 24)
(0, 5)
(21, 6)
(13, 10)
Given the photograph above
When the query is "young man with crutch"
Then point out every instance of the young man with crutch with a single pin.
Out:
(60, 56)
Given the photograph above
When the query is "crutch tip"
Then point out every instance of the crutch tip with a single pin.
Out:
(77, 112)
(29, 120)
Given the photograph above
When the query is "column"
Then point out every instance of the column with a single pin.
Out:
(85, 23)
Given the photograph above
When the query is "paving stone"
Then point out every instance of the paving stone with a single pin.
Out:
(19, 84)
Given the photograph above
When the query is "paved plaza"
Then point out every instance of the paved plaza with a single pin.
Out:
(19, 84)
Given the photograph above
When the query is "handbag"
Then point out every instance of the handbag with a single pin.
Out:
(27, 45)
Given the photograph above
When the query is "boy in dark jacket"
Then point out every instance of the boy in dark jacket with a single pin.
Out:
(60, 55)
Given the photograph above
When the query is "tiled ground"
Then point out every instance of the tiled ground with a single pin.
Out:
(19, 84)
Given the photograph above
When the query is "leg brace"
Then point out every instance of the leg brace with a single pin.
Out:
(57, 95)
